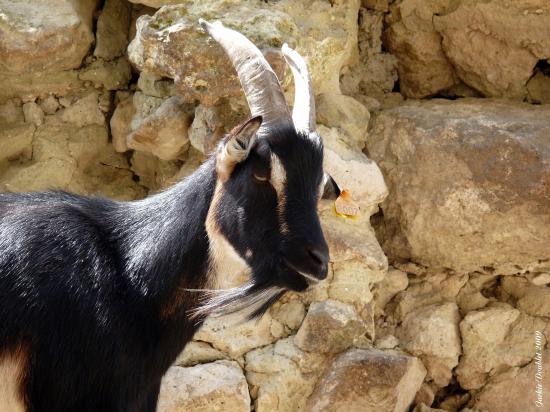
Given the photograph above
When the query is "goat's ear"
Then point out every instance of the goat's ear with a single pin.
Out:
(236, 147)
(330, 189)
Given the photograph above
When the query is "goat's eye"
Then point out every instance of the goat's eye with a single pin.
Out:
(259, 178)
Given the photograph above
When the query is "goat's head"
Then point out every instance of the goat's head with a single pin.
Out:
(269, 181)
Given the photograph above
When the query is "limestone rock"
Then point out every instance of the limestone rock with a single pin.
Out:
(33, 113)
(538, 88)
(84, 111)
(155, 86)
(16, 140)
(374, 72)
(517, 389)
(394, 282)
(163, 133)
(387, 342)
(49, 104)
(471, 295)
(281, 376)
(75, 157)
(531, 299)
(432, 334)
(476, 35)
(113, 25)
(231, 335)
(335, 110)
(326, 36)
(60, 83)
(172, 44)
(329, 327)
(120, 124)
(198, 352)
(435, 289)
(354, 171)
(155, 3)
(368, 380)
(423, 68)
(494, 339)
(11, 112)
(111, 75)
(213, 387)
(290, 314)
(155, 173)
(210, 124)
(352, 282)
(144, 106)
(468, 183)
(33, 31)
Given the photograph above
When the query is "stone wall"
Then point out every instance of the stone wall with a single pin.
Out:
(438, 296)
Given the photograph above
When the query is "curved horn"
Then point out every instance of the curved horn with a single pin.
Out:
(303, 112)
(261, 86)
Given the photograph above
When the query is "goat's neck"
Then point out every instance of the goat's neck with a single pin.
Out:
(166, 240)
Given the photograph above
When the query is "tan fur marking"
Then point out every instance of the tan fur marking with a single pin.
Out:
(12, 372)
(278, 180)
(227, 268)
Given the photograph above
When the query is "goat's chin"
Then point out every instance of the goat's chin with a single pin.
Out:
(290, 279)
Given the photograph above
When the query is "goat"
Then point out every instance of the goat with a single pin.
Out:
(97, 297)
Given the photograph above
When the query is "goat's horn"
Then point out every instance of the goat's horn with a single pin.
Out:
(261, 86)
(303, 113)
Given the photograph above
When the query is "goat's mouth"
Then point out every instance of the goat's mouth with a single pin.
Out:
(309, 279)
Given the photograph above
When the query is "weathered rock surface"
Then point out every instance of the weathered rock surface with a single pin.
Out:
(373, 72)
(476, 35)
(495, 339)
(234, 337)
(281, 376)
(218, 386)
(329, 327)
(423, 68)
(368, 380)
(441, 43)
(164, 132)
(516, 389)
(432, 334)
(113, 26)
(468, 183)
(171, 44)
(33, 31)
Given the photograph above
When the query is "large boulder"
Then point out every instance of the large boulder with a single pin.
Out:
(494, 45)
(171, 43)
(368, 381)
(32, 33)
(469, 183)
(491, 46)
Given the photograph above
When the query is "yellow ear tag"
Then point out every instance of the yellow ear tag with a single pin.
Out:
(345, 206)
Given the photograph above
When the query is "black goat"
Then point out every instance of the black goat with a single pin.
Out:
(97, 297)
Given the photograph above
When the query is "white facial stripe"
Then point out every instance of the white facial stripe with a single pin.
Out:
(278, 181)
(226, 267)
(309, 277)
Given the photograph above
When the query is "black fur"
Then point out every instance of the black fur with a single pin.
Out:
(83, 282)
(96, 291)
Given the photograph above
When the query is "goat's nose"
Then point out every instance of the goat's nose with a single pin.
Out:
(319, 257)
